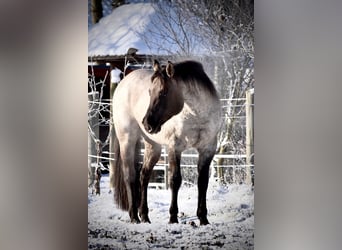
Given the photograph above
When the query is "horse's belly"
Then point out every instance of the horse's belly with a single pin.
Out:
(199, 137)
(185, 135)
(200, 129)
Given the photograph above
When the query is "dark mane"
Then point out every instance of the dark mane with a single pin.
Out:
(191, 72)
(159, 74)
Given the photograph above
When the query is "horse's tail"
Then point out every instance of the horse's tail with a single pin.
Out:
(119, 186)
(120, 192)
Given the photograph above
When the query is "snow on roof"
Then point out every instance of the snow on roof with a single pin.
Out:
(118, 32)
(126, 27)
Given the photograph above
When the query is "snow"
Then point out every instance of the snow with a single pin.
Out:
(129, 26)
(115, 75)
(118, 32)
(230, 213)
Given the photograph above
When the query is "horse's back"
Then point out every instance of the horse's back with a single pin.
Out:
(127, 98)
(132, 83)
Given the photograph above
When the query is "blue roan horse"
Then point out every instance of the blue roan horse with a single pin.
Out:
(175, 105)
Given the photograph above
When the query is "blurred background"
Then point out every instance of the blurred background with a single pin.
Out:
(43, 109)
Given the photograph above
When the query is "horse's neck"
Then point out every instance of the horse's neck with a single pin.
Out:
(197, 101)
(177, 100)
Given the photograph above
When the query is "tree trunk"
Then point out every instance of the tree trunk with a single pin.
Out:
(219, 165)
(97, 180)
(96, 10)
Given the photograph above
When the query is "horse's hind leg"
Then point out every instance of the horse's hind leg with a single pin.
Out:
(130, 178)
(205, 157)
(151, 157)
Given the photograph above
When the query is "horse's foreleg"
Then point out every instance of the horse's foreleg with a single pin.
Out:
(151, 157)
(204, 160)
(175, 180)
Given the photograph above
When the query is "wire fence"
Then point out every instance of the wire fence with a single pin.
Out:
(227, 168)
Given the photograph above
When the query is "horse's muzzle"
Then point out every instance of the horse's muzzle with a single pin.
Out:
(149, 128)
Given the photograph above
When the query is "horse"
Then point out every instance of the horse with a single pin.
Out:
(175, 105)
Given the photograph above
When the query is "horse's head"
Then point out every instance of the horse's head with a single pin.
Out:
(165, 98)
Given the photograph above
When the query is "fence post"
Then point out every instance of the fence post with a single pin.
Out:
(93, 119)
(219, 169)
(114, 81)
(249, 135)
(111, 141)
(166, 172)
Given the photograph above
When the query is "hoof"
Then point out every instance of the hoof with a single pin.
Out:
(135, 221)
(204, 221)
(145, 219)
(173, 219)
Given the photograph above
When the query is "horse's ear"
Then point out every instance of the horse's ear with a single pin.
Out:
(156, 66)
(170, 69)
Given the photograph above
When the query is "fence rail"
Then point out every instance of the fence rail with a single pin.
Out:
(231, 162)
(193, 156)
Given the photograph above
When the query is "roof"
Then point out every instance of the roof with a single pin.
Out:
(121, 30)
(130, 26)
(107, 8)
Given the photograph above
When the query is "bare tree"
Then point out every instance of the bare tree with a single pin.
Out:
(228, 31)
(221, 35)
(96, 118)
(117, 3)
(168, 32)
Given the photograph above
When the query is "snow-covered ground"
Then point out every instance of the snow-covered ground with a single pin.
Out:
(230, 212)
